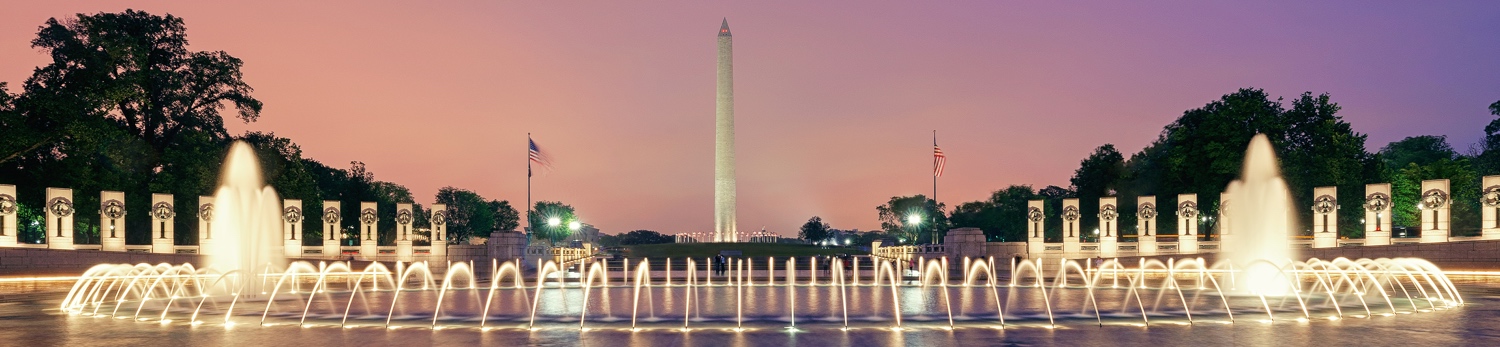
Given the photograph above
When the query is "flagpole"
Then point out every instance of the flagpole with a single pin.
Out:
(528, 186)
(934, 191)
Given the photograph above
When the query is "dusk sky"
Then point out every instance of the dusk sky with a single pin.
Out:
(835, 101)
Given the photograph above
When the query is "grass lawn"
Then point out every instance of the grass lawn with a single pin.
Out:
(699, 250)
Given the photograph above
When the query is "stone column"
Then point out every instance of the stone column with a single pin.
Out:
(1109, 215)
(205, 224)
(8, 206)
(1489, 203)
(1434, 206)
(1145, 225)
(1071, 235)
(291, 227)
(333, 236)
(59, 218)
(368, 219)
(1325, 217)
(1187, 223)
(112, 221)
(1223, 224)
(439, 237)
(403, 232)
(1377, 214)
(163, 232)
(1035, 219)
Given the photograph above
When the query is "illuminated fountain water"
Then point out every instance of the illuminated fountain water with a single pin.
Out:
(247, 283)
(246, 229)
(1259, 220)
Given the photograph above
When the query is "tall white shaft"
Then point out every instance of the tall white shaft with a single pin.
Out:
(724, 219)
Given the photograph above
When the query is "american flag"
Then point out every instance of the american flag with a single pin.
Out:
(938, 160)
(536, 156)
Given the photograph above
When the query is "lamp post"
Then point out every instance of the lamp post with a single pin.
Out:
(914, 220)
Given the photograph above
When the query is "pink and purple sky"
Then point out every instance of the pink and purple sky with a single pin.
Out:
(836, 100)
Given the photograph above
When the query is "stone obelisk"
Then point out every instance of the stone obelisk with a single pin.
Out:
(724, 141)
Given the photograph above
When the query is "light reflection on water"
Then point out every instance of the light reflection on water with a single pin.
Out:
(38, 322)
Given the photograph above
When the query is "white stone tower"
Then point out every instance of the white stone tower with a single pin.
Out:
(724, 222)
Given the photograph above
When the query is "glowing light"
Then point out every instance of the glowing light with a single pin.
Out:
(574, 225)
(554, 221)
(914, 219)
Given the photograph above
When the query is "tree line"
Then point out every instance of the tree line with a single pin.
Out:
(1202, 151)
(125, 105)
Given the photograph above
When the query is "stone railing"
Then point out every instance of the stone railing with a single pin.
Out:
(907, 252)
(59, 212)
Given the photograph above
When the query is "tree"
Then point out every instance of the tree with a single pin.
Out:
(1321, 149)
(551, 221)
(1426, 158)
(1487, 155)
(506, 217)
(1203, 150)
(1097, 176)
(469, 214)
(642, 237)
(1052, 197)
(913, 219)
(1002, 217)
(1421, 150)
(133, 69)
(814, 230)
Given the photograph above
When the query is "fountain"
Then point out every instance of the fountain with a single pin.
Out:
(1259, 221)
(248, 282)
(246, 223)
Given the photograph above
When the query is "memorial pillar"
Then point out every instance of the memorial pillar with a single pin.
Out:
(1489, 202)
(1434, 206)
(1109, 214)
(205, 224)
(1223, 223)
(8, 206)
(1377, 214)
(333, 235)
(1187, 223)
(1072, 246)
(291, 231)
(403, 232)
(59, 218)
(368, 220)
(1036, 242)
(163, 232)
(112, 221)
(1325, 217)
(439, 236)
(1145, 224)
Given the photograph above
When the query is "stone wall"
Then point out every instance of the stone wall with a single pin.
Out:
(53, 262)
(1463, 255)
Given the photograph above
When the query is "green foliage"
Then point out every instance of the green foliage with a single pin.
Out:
(894, 219)
(640, 237)
(469, 214)
(1463, 181)
(814, 230)
(1002, 217)
(541, 218)
(1487, 161)
(1099, 175)
(1052, 222)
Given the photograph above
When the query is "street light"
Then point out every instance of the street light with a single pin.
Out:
(554, 221)
(574, 225)
(914, 219)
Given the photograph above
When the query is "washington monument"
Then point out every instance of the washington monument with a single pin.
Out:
(724, 141)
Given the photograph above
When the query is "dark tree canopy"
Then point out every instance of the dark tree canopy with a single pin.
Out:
(814, 230)
(542, 215)
(911, 219)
